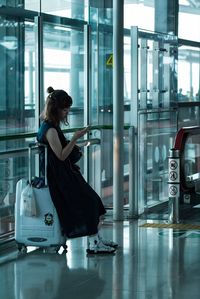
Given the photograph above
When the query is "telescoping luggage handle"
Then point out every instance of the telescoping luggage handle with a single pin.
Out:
(32, 146)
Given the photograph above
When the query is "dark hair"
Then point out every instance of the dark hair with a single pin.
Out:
(57, 100)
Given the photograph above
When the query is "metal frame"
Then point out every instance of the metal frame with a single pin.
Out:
(86, 94)
(30, 15)
(133, 144)
(39, 70)
(118, 109)
(161, 45)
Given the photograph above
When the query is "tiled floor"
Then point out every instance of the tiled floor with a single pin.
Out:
(150, 263)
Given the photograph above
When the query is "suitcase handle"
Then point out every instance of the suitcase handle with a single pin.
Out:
(35, 145)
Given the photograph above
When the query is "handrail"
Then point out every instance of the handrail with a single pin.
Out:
(182, 135)
(33, 134)
(22, 151)
(179, 145)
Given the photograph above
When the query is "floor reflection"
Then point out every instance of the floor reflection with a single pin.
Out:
(150, 263)
(47, 275)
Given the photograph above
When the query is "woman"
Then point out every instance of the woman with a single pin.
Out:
(78, 206)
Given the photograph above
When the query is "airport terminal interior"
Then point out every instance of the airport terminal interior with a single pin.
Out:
(132, 68)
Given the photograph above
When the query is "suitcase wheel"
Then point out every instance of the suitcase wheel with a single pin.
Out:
(65, 247)
(21, 247)
(57, 249)
(51, 249)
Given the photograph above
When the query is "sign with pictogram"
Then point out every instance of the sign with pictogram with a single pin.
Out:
(173, 164)
(173, 190)
(174, 175)
(109, 60)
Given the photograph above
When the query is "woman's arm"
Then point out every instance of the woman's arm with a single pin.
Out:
(55, 144)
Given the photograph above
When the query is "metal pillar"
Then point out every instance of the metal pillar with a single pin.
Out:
(166, 16)
(133, 201)
(174, 186)
(39, 72)
(77, 41)
(118, 109)
(86, 95)
(133, 137)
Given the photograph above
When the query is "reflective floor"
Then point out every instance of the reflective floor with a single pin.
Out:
(150, 263)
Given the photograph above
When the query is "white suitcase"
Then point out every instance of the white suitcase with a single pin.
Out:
(42, 230)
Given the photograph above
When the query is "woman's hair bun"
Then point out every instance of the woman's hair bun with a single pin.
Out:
(50, 89)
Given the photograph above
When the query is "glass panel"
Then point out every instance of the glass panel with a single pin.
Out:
(33, 5)
(127, 114)
(188, 74)
(156, 135)
(189, 13)
(126, 168)
(192, 155)
(134, 9)
(29, 79)
(127, 79)
(17, 107)
(101, 12)
(94, 105)
(64, 66)
(107, 168)
(188, 116)
(17, 49)
(66, 8)
(13, 168)
(157, 71)
(101, 111)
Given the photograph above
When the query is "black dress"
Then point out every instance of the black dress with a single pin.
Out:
(78, 205)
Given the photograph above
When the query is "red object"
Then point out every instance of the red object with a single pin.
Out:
(179, 144)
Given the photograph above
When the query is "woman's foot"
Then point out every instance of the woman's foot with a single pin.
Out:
(108, 242)
(98, 247)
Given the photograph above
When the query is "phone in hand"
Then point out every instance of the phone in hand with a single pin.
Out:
(88, 127)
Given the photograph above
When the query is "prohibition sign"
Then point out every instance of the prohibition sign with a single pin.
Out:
(173, 164)
(173, 175)
(173, 190)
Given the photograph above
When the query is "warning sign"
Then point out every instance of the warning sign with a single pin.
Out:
(109, 60)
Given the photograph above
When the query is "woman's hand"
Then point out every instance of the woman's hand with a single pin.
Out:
(80, 133)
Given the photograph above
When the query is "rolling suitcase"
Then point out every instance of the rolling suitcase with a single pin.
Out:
(43, 229)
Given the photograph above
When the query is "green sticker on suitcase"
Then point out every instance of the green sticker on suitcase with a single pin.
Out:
(48, 219)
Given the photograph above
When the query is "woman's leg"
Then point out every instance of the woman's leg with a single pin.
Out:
(101, 218)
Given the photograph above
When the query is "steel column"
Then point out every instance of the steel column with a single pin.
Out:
(118, 108)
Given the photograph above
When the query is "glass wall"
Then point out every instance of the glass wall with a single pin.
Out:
(17, 106)
(17, 72)
(156, 135)
(188, 73)
(139, 13)
(64, 60)
(189, 13)
(74, 9)
(63, 49)
(60, 64)
(188, 64)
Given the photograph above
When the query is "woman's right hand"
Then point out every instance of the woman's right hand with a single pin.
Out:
(78, 134)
